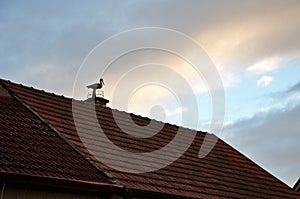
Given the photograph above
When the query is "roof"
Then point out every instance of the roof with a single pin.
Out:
(296, 186)
(31, 150)
(223, 173)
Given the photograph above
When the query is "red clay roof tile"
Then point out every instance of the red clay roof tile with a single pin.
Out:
(223, 173)
(28, 146)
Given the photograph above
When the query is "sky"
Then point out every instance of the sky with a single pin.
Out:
(62, 46)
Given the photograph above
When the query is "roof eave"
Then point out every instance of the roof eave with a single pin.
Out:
(45, 182)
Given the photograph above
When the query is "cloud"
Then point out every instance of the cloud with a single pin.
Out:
(266, 65)
(177, 111)
(38, 34)
(293, 90)
(270, 139)
(264, 81)
(236, 35)
(264, 109)
(256, 38)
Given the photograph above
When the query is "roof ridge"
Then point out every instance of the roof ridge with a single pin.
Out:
(158, 121)
(33, 88)
(112, 109)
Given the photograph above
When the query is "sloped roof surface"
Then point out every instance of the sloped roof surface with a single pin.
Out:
(223, 173)
(29, 147)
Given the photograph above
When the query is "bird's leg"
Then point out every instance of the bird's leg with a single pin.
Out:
(94, 94)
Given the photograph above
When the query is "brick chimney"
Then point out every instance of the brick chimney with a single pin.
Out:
(101, 101)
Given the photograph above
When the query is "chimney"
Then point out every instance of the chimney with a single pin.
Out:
(98, 95)
(98, 99)
(101, 101)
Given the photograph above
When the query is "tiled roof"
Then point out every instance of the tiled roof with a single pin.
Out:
(223, 173)
(28, 147)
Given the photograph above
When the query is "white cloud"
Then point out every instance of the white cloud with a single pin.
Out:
(264, 110)
(229, 78)
(177, 111)
(256, 39)
(265, 65)
(264, 81)
(227, 123)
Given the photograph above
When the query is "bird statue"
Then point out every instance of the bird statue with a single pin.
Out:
(96, 86)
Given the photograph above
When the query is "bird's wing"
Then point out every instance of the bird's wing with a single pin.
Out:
(99, 86)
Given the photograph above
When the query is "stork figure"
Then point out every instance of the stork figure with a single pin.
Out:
(95, 87)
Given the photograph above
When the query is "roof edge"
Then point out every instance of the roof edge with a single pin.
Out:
(61, 183)
(296, 186)
(138, 193)
(106, 173)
